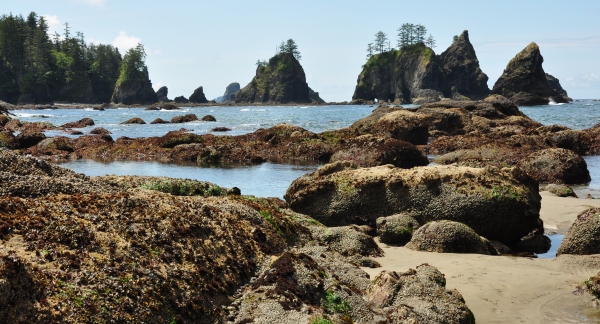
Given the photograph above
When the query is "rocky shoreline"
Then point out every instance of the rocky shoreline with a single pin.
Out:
(114, 249)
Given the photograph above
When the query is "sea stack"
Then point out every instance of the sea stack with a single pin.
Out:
(524, 81)
(463, 78)
(230, 90)
(198, 96)
(281, 80)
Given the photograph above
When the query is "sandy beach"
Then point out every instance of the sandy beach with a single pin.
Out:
(506, 289)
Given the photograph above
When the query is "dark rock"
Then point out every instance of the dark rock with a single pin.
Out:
(135, 92)
(174, 138)
(533, 243)
(583, 238)
(92, 141)
(75, 132)
(152, 108)
(159, 121)
(524, 80)
(30, 138)
(499, 204)
(168, 106)
(411, 75)
(77, 89)
(402, 125)
(181, 99)
(198, 96)
(162, 93)
(556, 165)
(314, 97)
(100, 131)
(3, 120)
(184, 119)
(447, 237)
(220, 129)
(369, 151)
(209, 118)
(396, 229)
(57, 143)
(555, 84)
(134, 120)
(282, 80)
(418, 296)
(229, 91)
(80, 123)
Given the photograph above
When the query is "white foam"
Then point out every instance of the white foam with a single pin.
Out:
(553, 103)
(245, 109)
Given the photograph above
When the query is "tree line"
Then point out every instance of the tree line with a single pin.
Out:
(289, 46)
(34, 65)
(408, 34)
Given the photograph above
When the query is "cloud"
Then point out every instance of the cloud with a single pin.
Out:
(54, 24)
(124, 42)
(95, 3)
(588, 80)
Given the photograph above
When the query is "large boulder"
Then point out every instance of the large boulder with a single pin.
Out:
(84, 122)
(499, 204)
(418, 296)
(396, 229)
(30, 138)
(556, 165)
(402, 125)
(184, 119)
(369, 151)
(447, 237)
(281, 80)
(230, 90)
(198, 96)
(462, 75)
(524, 80)
(134, 120)
(349, 241)
(583, 237)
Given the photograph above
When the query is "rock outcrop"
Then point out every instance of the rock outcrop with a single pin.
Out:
(463, 77)
(198, 96)
(131, 92)
(415, 74)
(556, 165)
(499, 204)
(161, 94)
(181, 99)
(583, 237)
(410, 75)
(37, 95)
(396, 229)
(369, 151)
(230, 90)
(447, 237)
(524, 81)
(84, 122)
(282, 80)
(314, 97)
(555, 84)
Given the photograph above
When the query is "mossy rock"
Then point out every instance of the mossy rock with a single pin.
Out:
(396, 229)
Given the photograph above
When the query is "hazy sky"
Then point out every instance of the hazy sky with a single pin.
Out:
(214, 43)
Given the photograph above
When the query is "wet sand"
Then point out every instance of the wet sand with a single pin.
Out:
(504, 289)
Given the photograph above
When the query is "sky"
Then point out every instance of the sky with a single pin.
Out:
(215, 43)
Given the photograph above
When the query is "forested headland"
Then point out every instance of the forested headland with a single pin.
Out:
(38, 68)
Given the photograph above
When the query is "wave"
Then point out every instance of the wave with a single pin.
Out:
(245, 109)
(553, 103)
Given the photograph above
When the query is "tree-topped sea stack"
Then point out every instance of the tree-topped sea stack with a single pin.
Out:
(281, 80)
(414, 74)
(133, 85)
(524, 80)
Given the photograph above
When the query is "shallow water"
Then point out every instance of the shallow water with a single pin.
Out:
(264, 180)
(556, 239)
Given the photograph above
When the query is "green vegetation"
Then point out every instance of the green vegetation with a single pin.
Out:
(321, 320)
(133, 66)
(592, 285)
(335, 304)
(409, 35)
(179, 187)
(64, 68)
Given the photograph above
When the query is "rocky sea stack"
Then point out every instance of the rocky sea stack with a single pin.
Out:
(136, 91)
(230, 90)
(198, 96)
(524, 81)
(281, 80)
(415, 74)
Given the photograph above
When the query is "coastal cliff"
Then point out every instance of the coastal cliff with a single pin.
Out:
(281, 80)
(524, 80)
